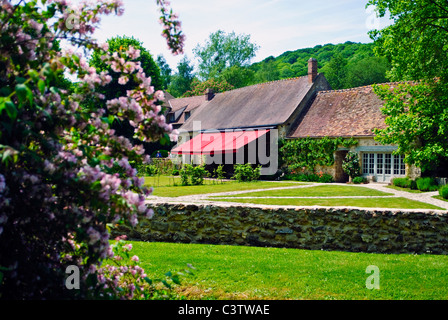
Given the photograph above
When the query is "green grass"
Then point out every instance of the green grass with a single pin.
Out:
(440, 198)
(391, 202)
(404, 189)
(239, 272)
(318, 191)
(162, 187)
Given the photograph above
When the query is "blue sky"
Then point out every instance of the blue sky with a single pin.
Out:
(275, 26)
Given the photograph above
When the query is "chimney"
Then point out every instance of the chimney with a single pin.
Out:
(312, 70)
(209, 94)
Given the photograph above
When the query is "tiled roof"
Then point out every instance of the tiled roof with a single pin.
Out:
(262, 104)
(185, 105)
(342, 113)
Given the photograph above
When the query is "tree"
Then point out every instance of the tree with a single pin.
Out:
(181, 81)
(417, 46)
(237, 76)
(267, 72)
(222, 51)
(117, 87)
(199, 88)
(120, 84)
(367, 71)
(165, 71)
(336, 71)
(64, 174)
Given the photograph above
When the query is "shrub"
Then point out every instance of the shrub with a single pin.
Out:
(245, 172)
(146, 170)
(443, 192)
(324, 177)
(197, 175)
(175, 172)
(192, 175)
(427, 184)
(219, 172)
(402, 182)
(58, 186)
(359, 180)
(351, 165)
(310, 177)
(164, 166)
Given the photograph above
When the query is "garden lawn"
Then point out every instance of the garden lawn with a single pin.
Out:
(318, 191)
(210, 186)
(240, 272)
(404, 189)
(440, 198)
(388, 202)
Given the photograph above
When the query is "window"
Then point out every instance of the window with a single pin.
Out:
(383, 164)
(388, 163)
(187, 115)
(171, 117)
(399, 166)
(365, 163)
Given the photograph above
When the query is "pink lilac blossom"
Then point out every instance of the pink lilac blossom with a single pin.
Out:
(71, 148)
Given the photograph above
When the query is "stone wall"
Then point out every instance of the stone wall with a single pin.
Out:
(356, 230)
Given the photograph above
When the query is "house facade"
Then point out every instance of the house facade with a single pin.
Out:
(353, 113)
(232, 127)
(244, 125)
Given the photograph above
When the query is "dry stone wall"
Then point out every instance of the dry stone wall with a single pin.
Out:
(355, 230)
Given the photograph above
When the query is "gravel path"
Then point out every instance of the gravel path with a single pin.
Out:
(426, 197)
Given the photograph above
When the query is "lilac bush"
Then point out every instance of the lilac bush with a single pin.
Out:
(59, 186)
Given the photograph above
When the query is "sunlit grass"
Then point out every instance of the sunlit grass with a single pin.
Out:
(317, 191)
(240, 272)
(390, 202)
(163, 186)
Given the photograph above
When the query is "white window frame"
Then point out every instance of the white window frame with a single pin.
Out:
(384, 166)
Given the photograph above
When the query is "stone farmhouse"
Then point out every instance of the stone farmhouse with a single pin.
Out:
(244, 125)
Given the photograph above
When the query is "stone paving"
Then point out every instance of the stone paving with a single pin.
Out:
(426, 197)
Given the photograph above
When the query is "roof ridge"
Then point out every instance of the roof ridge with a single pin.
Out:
(365, 87)
(263, 83)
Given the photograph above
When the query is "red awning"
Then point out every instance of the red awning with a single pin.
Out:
(219, 142)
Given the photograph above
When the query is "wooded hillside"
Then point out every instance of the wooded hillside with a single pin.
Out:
(344, 65)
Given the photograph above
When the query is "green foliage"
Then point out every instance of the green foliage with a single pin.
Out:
(351, 165)
(402, 182)
(182, 80)
(417, 121)
(238, 76)
(310, 177)
(422, 184)
(416, 45)
(192, 175)
(198, 88)
(443, 192)
(427, 184)
(219, 172)
(246, 172)
(336, 71)
(308, 153)
(146, 170)
(150, 67)
(354, 64)
(223, 51)
(416, 42)
(165, 71)
(367, 71)
(359, 180)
